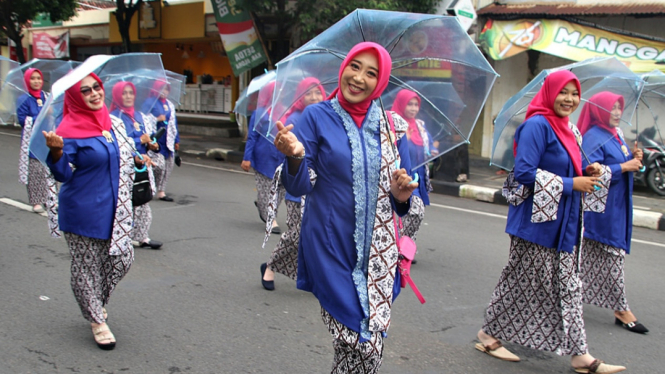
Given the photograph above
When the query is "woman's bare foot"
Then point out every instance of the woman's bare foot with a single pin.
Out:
(581, 361)
(625, 316)
(269, 275)
(493, 347)
(103, 336)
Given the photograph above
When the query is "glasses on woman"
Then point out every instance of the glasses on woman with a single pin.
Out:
(86, 91)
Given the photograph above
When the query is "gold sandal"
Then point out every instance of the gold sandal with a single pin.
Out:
(104, 337)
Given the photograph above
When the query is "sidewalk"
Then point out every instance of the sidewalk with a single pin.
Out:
(483, 184)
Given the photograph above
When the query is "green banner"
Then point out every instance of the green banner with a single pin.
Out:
(239, 36)
(44, 20)
(572, 41)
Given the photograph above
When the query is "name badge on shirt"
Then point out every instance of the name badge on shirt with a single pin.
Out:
(137, 127)
(624, 149)
(166, 107)
(108, 136)
(39, 102)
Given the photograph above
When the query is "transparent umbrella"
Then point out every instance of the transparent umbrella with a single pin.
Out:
(246, 102)
(9, 92)
(108, 68)
(425, 49)
(595, 75)
(650, 112)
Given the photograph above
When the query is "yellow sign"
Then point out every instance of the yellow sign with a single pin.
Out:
(502, 39)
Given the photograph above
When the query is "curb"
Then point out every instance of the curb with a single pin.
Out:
(641, 218)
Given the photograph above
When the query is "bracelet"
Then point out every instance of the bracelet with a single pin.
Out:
(298, 157)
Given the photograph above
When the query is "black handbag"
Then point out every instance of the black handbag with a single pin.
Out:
(141, 193)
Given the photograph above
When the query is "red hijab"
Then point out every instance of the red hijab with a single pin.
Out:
(399, 106)
(37, 94)
(265, 96)
(596, 112)
(359, 110)
(78, 120)
(302, 88)
(117, 102)
(157, 88)
(543, 104)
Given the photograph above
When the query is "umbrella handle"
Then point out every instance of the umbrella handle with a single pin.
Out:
(141, 170)
(415, 179)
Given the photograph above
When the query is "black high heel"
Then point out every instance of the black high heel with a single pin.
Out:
(632, 326)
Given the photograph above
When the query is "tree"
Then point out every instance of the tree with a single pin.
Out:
(15, 14)
(303, 19)
(123, 14)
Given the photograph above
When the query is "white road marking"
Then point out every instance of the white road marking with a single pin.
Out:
(218, 168)
(6, 133)
(641, 207)
(469, 211)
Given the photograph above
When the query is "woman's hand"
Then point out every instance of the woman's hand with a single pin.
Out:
(287, 142)
(177, 146)
(153, 146)
(161, 118)
(594, 170)
(638, 153)
(145, 139)
(245, 165)
(401, 186)
(631, 165)
(138, 161)
(55, 144)
(586, 184)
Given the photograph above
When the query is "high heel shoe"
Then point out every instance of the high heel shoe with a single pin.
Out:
(632, 326)
(268, 285)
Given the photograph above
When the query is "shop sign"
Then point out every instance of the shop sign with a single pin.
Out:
(464, 11)
(572, 41)
(239, 36)
(48, 46)
(150, 20)
(44, 20)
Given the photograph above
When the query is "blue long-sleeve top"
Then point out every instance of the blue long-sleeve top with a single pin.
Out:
(157, 110)
(89, 194)
(615, 226)
(327, 252)
(27, 107)
(539, 148)
(263, 155)
(132, 132)
(417, 154)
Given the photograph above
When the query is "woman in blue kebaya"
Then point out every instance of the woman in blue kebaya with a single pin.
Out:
(261, 155)
(284, 258)
(122, 107)
(96, 169)
(162, 115)
(31, 172)
(421, 148)
(608, 221)
(538, 300)
(347, 255)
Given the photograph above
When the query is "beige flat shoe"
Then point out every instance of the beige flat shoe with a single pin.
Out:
(598, 366)
(497, 350)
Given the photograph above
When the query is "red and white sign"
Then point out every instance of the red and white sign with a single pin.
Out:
(48, 46)
(12, 51)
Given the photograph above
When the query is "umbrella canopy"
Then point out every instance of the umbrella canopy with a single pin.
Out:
(595, 75)
(650, 112)
(424, 48)
(246, 102)
(177, 82)
(9, 92)
(109, 69)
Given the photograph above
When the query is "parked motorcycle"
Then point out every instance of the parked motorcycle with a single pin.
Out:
(652, 174)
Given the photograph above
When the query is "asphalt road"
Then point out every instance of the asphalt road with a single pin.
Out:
(197, 305)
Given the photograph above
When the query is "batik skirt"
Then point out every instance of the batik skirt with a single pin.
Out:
(603, 275)
(284, 258)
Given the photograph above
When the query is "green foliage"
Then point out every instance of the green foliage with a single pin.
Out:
(15, 14)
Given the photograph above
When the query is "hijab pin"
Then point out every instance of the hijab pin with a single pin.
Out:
(39, 102)
(108, 136)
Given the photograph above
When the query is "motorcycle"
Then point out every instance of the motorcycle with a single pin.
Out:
(652, 174)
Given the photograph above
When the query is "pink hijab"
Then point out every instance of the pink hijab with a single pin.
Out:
(543, 104)
(359, 110)
(302, 88)
(118, 88)
(157, 90)
(37, 94)
(596, 112)
(399, 106)
(78, 120)
(265, 96)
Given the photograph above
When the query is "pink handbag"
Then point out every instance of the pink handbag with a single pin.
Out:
(407, 251)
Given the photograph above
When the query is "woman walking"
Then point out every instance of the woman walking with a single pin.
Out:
(421, 148)
(96, 169)
(608, 222)
(162, 115)
(31, 172)
(122, 108)
(347, 256)
(543, 267)
(262, 156)
(284, 258)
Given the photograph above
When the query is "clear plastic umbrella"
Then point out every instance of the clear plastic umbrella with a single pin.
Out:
(425, 48)
(9, 92)
(143, 79)
(246, 102)
(595, 75)
(650, 113)
(177, 83)
(108, 68)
